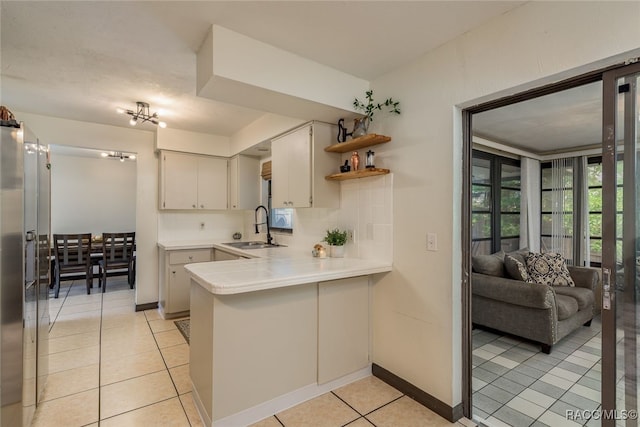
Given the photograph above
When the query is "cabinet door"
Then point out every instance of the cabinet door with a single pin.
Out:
(300, 169)
(212, 183)
(180, 181)
(244, 182)
(280, 173)
(343, 327)
(291, 169)
(233, 183)
(178, 298)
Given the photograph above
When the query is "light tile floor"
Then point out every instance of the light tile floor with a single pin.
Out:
(515, 384)
(112, 366)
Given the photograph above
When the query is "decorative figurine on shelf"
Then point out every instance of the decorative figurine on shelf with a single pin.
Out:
(355, 161)
(342, 131)
(369, 163)
(345, 168)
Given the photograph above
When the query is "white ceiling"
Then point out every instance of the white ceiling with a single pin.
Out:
(557, 122)
(80, 60)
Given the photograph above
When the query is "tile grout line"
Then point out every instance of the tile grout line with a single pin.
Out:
(278, 419)
(343, 401)
(584, 341)
(175, 387)
(100, 359)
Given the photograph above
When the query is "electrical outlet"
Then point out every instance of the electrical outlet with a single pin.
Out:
(432, 242)
(351, 235)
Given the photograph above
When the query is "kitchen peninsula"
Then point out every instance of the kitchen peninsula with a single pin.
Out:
(276, 329)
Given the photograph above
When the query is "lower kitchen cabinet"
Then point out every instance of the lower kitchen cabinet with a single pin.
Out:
(174, 280)
(343, 327)
(294, 339)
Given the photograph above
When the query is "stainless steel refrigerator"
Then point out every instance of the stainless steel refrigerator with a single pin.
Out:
(24, 272)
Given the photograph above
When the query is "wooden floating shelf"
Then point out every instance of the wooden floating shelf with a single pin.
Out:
(358, 143)
(363, 173)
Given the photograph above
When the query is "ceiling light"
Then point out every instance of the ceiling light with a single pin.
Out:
(118, 155)
(142, 112)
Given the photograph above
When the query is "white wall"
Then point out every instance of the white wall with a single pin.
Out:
(92, 195)
(417, 307)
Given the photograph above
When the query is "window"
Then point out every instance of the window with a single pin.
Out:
(573, 181)
(495, 203)
(557, 201)
(594, 182)
(280, 219)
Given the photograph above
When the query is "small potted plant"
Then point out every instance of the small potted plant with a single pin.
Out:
(336, 239)
(369, 108)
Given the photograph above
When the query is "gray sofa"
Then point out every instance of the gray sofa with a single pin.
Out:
(537, 312)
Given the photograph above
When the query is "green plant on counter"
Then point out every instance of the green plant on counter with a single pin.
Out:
(336, 237)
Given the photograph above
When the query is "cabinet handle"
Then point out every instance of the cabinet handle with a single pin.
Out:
(173, 272)
(201, 206)
(190, 258)
(193, 206)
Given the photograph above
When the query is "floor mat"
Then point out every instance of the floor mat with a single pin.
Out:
(183, 327)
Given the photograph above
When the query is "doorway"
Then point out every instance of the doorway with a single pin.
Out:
(523, 385)
(92, 191)
(621, 246)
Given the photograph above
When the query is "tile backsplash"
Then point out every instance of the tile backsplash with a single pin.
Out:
(218, 225)
(366, 208)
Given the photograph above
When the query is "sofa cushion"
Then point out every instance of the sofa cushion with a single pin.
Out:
(493, 264)
(516, 268)
(521, 255)
(548, 269)
(583, 296)
(567, 306)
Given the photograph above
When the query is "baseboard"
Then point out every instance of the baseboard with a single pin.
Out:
(452, 414)
(147, 306)
(288, 400)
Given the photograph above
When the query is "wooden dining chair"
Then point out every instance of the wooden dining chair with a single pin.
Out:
(72, 255)
(117, 257)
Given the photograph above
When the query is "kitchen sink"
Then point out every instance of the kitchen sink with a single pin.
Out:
(252, 245)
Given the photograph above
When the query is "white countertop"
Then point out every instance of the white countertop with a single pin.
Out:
(270, 268)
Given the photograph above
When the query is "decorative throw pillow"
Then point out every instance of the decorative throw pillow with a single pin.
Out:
(521, 255)
(493, 264)
(549, 269)
(516, 268)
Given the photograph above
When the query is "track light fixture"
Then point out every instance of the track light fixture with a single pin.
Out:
(142, 114)
(118, 155)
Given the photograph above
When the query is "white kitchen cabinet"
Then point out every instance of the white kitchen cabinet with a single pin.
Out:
(190, 181)
(244, 182)
(343, 327)
(299, 165)
(174, 280)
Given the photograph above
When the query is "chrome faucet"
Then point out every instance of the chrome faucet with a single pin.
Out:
(266, 215)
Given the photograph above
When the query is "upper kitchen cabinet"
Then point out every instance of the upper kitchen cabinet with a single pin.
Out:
(299, 165)
(192, 182)
(244, 182)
